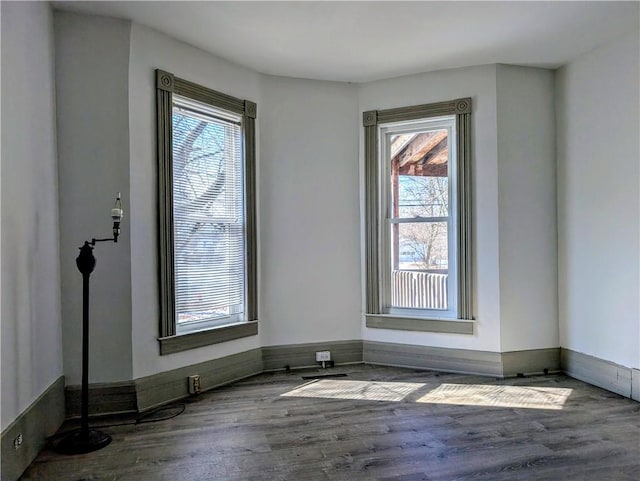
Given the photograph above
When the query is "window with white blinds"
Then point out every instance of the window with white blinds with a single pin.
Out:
(207, 242)
(208, 216)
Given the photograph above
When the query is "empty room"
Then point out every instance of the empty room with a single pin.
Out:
(320, 240)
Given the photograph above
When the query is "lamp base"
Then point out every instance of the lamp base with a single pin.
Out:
(77, 442)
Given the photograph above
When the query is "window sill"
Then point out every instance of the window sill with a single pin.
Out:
(184, 342)
(401, 323)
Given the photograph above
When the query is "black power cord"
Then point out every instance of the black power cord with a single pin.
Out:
(140, 419)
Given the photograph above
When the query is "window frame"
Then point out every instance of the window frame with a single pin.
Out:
(386, 218)
(375, 125)
(166, 86)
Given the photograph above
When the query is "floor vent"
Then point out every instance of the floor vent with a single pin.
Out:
(322, 376)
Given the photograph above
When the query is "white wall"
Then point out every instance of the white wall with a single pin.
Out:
(151, 50)
(479, 83)
(309, 217)
(598, 202)
(308, 170)
(527, 208)
(92, 62)
(30, 329)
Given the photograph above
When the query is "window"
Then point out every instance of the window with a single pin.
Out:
(418, 217)
(206, 160)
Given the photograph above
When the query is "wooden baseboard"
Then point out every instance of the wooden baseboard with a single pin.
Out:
(433, 358)
(484, 363)
(605, 374)
(303, 355)
(149, 392)
(104, 398)
(164, 387)
(152, 391)
(533, 361)
(41, 419)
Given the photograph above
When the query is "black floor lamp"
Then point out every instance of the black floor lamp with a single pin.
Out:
(85, 440)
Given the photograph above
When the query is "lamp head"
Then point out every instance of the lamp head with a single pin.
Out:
(116, 216)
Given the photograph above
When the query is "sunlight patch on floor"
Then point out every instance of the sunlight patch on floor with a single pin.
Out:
(486, 395)
(498, 396)
(357, 390)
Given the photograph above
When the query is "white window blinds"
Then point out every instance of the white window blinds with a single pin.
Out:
(208, 216)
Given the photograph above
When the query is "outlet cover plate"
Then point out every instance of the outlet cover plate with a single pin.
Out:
(17, 442)
(194, 384)
(323, 356)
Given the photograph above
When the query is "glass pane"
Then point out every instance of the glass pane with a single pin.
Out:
(420, 246)
(420, 262)
(419, 174)
(206, 166)
(208, 215)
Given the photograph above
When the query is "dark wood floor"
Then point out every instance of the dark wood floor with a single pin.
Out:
(258, 429)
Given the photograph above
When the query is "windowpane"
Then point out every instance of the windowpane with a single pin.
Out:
(208, 207)
(420, 246)
(418, 257)
(418, 213)
(419, 174)
(419, 279)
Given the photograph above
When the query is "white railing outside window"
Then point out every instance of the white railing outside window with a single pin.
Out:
(419, 290)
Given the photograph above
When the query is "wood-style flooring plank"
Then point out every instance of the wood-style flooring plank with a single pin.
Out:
(257, 430)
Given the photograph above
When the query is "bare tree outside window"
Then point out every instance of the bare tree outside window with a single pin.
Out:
(423, 245)
(420, 214)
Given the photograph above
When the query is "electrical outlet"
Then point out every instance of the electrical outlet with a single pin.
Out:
(17, 441)
(194, 384)
(323, 356)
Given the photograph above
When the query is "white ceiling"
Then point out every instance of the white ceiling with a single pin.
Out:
(363, 41)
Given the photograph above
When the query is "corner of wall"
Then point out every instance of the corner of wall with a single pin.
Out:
(92, 75)
(23, 439)
(527, 208)
(598, 118)
(31, 332)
